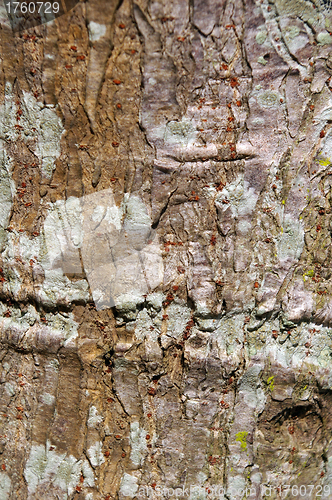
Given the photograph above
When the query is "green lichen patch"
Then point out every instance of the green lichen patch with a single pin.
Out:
(242, 438)
(270, 383)
(310, 274)
(325, 162)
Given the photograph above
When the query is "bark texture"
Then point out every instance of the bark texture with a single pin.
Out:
(165, 237)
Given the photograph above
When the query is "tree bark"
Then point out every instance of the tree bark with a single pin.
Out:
(165, 237)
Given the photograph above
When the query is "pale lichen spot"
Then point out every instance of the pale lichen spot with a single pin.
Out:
(48, 129)
(7, 192)
(128, 486)
(68, 474)
(45, 465)
(180, 133)
(138, 444)
(262, 61)
(10, 389)
(95, 454)
(324, 38)
(47, 398)
(290, 32)
(94, 418)
(5, 486)
(261, 37)
(96, 31)
(268, 99)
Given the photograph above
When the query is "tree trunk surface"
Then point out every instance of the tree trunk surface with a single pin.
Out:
(165, 238)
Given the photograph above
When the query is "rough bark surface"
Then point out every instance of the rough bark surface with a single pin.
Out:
(165, 237)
